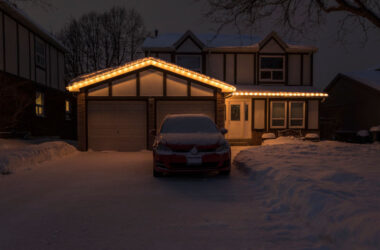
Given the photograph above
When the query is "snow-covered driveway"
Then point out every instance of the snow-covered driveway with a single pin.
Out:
(109, 200)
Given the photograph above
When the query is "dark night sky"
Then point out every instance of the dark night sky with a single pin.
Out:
(181, 15)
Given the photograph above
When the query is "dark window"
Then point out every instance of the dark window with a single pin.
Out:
(272, 68)
(235, 112)
(40, 54)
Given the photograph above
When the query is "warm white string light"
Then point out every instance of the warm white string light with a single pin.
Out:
(287, 94)
(76, 85)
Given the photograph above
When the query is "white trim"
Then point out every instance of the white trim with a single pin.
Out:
(303, 116)
(271, 114)
(272, 70)
(193, 69)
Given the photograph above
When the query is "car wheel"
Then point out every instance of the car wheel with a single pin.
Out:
(226, 172)
(157, 174)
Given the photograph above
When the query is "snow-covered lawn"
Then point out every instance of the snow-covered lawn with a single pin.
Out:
(324, 194)
(16, 154)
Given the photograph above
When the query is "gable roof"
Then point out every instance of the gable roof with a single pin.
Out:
(369, 78)
(99, 76)
(19, 15)
(209, 40)
(215, 41)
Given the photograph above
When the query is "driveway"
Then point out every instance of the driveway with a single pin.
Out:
(109, 200)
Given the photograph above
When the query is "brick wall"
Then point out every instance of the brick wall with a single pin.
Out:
(220, 110)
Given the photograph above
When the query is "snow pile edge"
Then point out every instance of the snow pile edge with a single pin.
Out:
(30, 155)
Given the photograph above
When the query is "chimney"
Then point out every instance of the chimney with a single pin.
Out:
(156, 33)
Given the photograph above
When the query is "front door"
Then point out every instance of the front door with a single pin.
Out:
(238, 120)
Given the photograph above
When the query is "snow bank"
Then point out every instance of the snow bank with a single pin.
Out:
(268, 136)
(312, 136)
(17, 153)
(323, 194)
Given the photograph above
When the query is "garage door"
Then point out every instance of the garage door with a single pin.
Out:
(184, 107)
(117, 125)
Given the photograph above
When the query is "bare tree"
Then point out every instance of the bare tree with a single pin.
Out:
(102, 40)
(294, 15)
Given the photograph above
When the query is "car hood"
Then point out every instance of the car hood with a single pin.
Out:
(199, 139)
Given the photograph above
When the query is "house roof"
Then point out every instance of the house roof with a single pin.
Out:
(276, 90)
(370, 78)
(214, 41)
(209, 40)
(16, 13)
(99, 76)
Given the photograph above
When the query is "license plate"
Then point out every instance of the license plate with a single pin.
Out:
(194, 160)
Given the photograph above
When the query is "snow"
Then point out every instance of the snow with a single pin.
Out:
(21, 153)
(369, 77)
(363, 133)
(268, 136)
(375, 129)
(312, 136)
(324, 194)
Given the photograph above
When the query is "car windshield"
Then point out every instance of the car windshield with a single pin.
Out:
(189, 125)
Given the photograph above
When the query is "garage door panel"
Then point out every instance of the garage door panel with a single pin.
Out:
(184, 107)
(117, 125)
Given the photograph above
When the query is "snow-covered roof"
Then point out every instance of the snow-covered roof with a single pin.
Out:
(210, 40)
(370, 78)
(220, 41)
(18, 14)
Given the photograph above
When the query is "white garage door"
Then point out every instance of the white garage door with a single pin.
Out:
(117, 125)
(184, 107)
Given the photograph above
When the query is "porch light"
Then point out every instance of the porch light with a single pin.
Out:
(286, 94)
(76, 85)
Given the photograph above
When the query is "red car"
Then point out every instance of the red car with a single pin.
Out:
(190, 143)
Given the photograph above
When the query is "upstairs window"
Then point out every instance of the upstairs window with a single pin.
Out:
(297, 114)
(67, 110)
(40, 54)
(192, 62)
(278, 114)
(40, 104)
(272, 68)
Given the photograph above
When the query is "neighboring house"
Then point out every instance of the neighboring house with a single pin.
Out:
(248, 85)
(353, 104)
(32, 78)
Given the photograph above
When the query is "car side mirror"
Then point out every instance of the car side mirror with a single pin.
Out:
(223, 131)
(153, 132)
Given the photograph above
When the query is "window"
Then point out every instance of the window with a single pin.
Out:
(67, 110)
(40, 54)
(272, 68)
(40, 104)
(297, 114)
(235, 112)
(192, 62)
(278, 114)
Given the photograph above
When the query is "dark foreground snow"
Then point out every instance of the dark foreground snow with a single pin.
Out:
(298, 196)
(324, 194)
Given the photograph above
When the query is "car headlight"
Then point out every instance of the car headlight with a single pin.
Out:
(223, 147)
(163, 148)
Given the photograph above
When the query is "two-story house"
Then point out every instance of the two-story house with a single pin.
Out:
(33, 91)
(249, 85)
